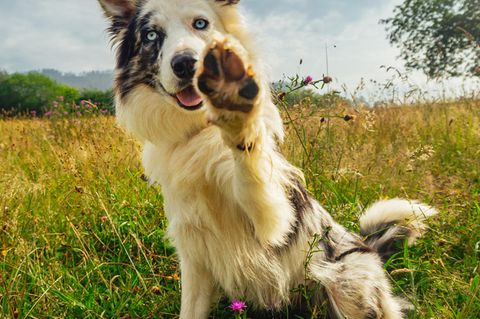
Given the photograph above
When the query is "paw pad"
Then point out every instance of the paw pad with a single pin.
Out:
(226, 80)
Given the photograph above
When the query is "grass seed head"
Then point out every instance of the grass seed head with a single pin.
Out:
(327, 79)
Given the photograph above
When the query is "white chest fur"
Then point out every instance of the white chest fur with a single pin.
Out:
(211, 230)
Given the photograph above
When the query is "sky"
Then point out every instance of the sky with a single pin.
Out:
(69, 35)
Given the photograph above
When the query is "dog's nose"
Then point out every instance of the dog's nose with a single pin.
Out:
(183, 65)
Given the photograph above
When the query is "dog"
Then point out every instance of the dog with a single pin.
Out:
(189, 84)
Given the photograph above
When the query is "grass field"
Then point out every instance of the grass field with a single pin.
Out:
(82, 236)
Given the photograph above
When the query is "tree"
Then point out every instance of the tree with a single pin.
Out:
(3, 76)
(23, 93)
(103, 99)
(439, 37)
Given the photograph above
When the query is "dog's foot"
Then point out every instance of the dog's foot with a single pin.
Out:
(226, 79)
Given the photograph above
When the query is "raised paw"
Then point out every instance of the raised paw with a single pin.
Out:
(226, 80)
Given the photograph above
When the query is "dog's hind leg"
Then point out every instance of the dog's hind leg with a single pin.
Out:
(357, 287)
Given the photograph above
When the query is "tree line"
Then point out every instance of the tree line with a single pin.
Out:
(35, 93)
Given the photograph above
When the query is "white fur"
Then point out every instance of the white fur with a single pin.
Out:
(404, 213)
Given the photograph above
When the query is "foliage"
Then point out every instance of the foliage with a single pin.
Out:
(3, 75)
(34, 93)
(102, 99)
(24, 93)
(294, 90)
(60, 110)
(82, 235)
(315, 99)
(439, 37)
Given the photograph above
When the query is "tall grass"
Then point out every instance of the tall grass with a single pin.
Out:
(82, 235)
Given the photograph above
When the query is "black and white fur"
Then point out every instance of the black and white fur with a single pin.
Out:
(239, 215)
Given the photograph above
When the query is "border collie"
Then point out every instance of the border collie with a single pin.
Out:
(190, 86)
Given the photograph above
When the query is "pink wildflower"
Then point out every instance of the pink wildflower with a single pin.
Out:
(104, 111)
(238, 306)
(48, 114)
(307, 80)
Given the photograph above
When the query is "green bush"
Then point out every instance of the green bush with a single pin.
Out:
(24, 93)
(102, 99)
(3, 76)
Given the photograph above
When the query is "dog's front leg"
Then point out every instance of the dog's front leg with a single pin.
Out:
(197, 291)
(240, 104)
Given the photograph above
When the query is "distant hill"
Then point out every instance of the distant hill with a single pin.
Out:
(101, 80)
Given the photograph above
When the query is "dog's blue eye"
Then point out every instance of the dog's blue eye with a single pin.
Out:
(200, 24)
(152, 36)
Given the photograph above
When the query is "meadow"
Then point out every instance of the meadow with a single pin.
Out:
(82, 233)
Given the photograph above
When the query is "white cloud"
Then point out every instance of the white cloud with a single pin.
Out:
(66, 35)
(356, 48)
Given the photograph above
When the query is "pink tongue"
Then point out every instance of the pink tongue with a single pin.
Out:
(189, 97)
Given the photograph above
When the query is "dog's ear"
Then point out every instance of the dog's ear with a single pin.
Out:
(119, 10)
(119, 13)
(227, 2)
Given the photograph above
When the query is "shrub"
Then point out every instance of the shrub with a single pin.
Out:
(102, 99)
(24, 93)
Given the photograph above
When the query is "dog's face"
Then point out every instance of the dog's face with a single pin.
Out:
(158, 45)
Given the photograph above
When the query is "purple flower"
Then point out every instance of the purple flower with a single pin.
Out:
(48, 114)
(307, 80)
(104, 111)
(83, 102)
(238, 306)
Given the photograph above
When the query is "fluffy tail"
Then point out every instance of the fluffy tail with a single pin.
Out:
(388, 223)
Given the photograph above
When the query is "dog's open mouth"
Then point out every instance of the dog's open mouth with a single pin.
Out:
(189, 99)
